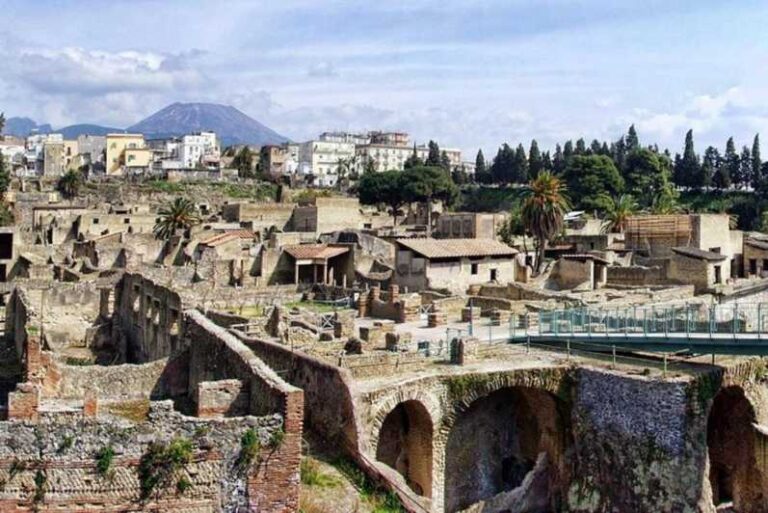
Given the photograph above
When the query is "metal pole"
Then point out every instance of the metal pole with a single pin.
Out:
(735, 318)
(665, 365)
(568, 346)
(759, 319)
(527, 344)
(613, 351)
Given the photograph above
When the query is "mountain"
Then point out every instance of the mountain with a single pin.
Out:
(73, 131)
(231, 125)
(22, 127)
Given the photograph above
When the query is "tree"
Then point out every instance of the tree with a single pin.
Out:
(520, 165)
(385, 188)
(243, 162)
(633, 142)
(535, 160)
(543, 211)
(503, 166)
(2, 121)
(745, 167)
(757, 175)
(581, 147)
(445, 162)
(413, 160)
(709, 166)
(687, 168)
(429, 184)
(460, 176)
(481, 173)
(619, 153)
(5, 177)
(590, 178)
(665, 202)
(558, 161)
(646, 174)
(181, 214)
(433, 155)
(617, 212)
(70, 183)
(731, 163)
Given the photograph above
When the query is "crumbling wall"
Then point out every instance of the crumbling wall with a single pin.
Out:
(636, 275)
(52, 465)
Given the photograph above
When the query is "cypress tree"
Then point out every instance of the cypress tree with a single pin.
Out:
(433, 156)
(520, 165)
(558, 161)
(633, 142)
(535, 161)
(594, 147)
(687, 171)
(567, 151)
(581, 147)
(745, 167)
(732, 164)
(757, 175)
(480, 172)
(709, 166)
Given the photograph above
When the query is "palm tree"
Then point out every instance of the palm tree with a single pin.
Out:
(617, 212)
(70, 183)
(544, 208)
(665, 202)
(181, 214)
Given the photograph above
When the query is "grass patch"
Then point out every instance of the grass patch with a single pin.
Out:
(166, 187)
(78, 362)
(136, 411)
(380, 499)
(313, 475)
(253, 311)
(314, 307)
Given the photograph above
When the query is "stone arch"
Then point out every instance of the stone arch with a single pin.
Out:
(497, 441)
(405, 444)
(735, 472)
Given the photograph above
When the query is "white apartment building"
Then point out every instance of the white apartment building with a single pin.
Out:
(345, 137)
(321, 160)
(34, 156)
(201, 148)
(384, 157)
(454, 155)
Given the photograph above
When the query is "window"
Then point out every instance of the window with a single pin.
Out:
(474, 268)
(752, 266)
(127, 221)
(494, 275)
(718, 274)
(765, 264)
(95, 220)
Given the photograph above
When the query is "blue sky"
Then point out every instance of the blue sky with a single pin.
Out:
(469, 74)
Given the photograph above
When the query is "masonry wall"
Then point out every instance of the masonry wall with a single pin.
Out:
(147, 319)
(569, 273)
(636, 275)
(51, 466)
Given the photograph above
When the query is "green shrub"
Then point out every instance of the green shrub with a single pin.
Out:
(161, 463)
(250, 447)
(40, 480)
(276, 440)
(104, 459)
(66, 443)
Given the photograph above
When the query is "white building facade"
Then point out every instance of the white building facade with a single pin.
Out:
(321, 159)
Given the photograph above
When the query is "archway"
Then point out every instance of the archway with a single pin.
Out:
(731, 437)
(405, 444)
(496, 443)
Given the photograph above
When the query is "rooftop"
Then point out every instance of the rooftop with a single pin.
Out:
(225, 237)
(456, 248)
(314, 251)
(699, 254)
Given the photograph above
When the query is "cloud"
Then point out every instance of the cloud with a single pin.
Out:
(323, 70)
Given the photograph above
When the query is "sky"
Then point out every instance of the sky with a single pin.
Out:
(469, 74)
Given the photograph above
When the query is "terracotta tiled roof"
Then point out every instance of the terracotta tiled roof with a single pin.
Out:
(586, 256)
(221, 238)
(699, 254)
(456, 248)
(314, 251)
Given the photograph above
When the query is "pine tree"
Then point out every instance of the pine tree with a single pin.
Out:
(480, 171)
(757, 176)
(520, 165)
(433, 155)
(535, 161)
(594, 147)
(633, 142)
(546, 161)
(581, 147)
(619, 153)
(732, 163)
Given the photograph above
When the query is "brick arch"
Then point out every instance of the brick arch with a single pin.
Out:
(736, 473)
(383, 407)
(527, 409)
(405, 443)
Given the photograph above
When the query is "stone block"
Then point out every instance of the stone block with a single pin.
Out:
(90, 404)
(471, 313)
(436, 319)
(500, 317)
(398, 342)
(24, 402)
(227, 397)
(464, 350)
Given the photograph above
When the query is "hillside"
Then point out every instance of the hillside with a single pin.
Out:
(231, 125)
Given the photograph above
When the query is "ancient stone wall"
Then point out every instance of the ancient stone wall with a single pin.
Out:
(53, 465)
(147, 319)
(636, 275)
